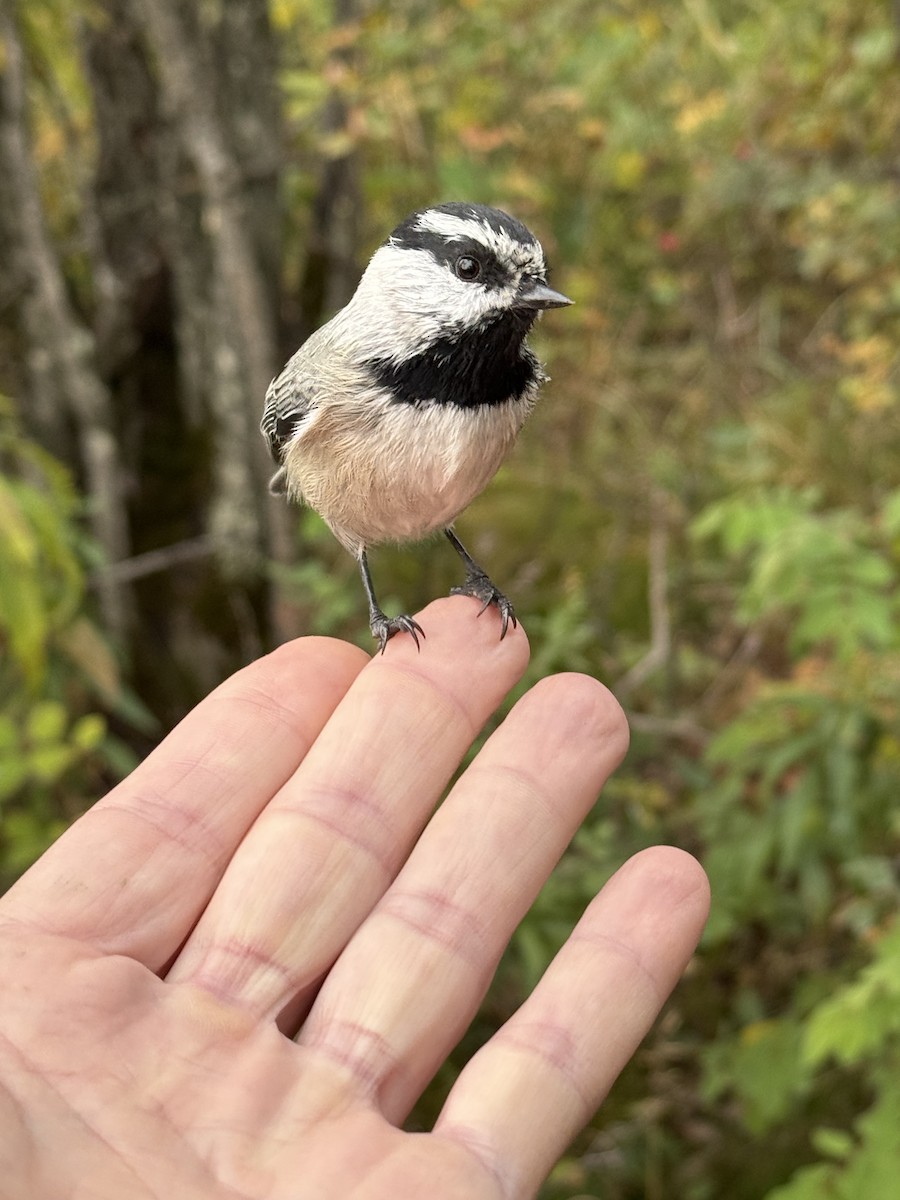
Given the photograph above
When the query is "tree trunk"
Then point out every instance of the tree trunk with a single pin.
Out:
(227, 286)
(331, 271)
(61, 357)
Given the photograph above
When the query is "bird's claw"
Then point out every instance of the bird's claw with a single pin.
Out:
(480, 587)
(384, 627)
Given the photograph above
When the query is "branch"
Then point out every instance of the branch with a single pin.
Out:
(151, 562)
(673, 727)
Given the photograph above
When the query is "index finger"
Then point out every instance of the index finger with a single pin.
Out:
(132, 875)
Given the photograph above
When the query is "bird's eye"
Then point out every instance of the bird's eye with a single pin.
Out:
(468, 268)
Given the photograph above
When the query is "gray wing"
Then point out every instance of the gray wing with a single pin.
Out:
(290, 401)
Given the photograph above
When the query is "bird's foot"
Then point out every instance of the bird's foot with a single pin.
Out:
(480, 587)
(384, 627)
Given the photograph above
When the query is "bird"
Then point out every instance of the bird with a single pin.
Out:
(394, 415)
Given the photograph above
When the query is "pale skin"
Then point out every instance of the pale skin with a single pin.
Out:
(234, 976)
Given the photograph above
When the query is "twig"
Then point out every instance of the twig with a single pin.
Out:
(151, 562)
(672, 727)
(660, 620)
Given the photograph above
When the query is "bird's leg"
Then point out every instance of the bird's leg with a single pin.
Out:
(479, 585)
(384, 627)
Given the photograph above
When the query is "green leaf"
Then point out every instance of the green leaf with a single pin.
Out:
(859, 1019)
(762, 1069)
(13, 774)
(833, 1143)
(88, 731)
(46, 722)
(48, 763)
(26, 836)
(890, 514)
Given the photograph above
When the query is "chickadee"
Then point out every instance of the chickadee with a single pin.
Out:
(392, 418)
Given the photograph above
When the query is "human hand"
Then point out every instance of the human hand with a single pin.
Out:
(264, 875)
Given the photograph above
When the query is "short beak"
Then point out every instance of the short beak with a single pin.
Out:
(534, 294)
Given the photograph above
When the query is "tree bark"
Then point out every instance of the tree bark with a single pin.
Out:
(331, 271)
(61, 355)
(228, 291)
(159, 355)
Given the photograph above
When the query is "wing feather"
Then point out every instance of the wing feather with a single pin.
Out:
(290, 402)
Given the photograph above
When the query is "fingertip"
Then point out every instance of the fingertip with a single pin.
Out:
(288, 676)
(460, 657)
(304, 653)
(677, 885)
(678, 874)
(671, 866)
(588, 706)
(451, 627)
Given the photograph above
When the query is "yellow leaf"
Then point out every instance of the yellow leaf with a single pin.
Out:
(701, 111)
(629, 168)
(84, 646)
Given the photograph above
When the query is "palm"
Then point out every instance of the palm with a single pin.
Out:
(265, 874)
(220, 1104)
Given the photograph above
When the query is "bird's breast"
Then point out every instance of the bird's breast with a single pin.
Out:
(381, 470)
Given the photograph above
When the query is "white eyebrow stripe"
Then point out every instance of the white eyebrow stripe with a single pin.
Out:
(448, 225)
(455, 228)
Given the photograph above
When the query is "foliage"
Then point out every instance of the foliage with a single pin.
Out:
(832, 570)
(716, 184)
(58, 676)
(798, 809)
(857, 1026)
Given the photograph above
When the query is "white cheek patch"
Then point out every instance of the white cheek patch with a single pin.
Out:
(396, 307)
(411, 300)
(427, 286)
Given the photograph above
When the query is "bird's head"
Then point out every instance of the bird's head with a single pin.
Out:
(456, 268)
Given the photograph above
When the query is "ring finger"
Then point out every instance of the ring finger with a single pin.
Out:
(409, 982)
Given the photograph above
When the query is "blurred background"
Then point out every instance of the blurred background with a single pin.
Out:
(704, 510)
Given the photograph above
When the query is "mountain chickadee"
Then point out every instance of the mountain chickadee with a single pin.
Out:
(394, 415)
